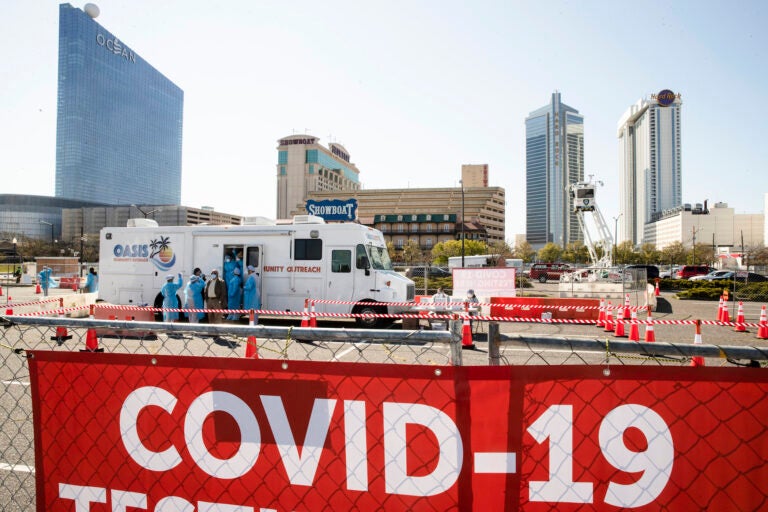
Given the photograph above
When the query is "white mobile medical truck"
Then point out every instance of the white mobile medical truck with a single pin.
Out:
(307, 259)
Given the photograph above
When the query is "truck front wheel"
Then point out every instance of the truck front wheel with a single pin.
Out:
(369, 322)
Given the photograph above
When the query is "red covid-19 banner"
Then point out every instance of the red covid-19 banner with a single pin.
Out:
(117, 432)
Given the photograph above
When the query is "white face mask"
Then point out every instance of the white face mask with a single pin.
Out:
(214, 276)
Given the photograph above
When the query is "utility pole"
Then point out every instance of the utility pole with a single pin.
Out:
(693, 254)
(742, 250)
(462, 222)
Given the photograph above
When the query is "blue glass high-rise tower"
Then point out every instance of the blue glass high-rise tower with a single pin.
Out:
(119, 120)
(554, 159)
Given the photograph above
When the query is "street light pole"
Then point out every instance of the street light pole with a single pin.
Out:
(615, 236)
(461, 182)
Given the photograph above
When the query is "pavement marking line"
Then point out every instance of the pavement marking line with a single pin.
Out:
(356, 346)
(17, 468)
(14, 383)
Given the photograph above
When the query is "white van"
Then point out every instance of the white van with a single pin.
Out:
(307, 259)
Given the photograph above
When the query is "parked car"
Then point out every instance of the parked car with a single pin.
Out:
(651, 271)
(715, 274)
(742, 277)
(544, 272)
(687, 271)
(430, 272)
(669, 273)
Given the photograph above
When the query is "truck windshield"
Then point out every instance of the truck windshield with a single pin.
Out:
(379, 258)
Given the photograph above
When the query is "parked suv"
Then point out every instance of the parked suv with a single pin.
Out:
(687, 271)
(544, 272)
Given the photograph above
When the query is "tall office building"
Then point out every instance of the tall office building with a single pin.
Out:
(554, 159)
(649, 162)
(304, 166)
(119, 126)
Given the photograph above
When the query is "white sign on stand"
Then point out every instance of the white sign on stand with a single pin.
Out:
(486, 282)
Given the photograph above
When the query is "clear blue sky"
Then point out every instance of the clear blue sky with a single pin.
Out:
(412, 89)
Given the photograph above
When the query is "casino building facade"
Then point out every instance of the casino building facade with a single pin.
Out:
(119, 120)
(305, 166)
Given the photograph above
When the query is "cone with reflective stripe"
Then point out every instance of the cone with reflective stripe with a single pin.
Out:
(601, 314)
(608, 317)
(650, 335)
(725, 314)
(38, 290)
(251, 347)
(619, 331)
(697, 360)
(312, 316)
(305, 316)
(634, 331)
(762, 328)
(720, 310)
(656, 289)
(627, 306)
(466, 334)
(740, 327)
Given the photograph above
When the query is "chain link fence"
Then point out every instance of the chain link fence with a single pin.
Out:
(422, 349)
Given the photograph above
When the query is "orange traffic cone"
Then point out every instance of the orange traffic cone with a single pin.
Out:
(725, 314)
(61, 333)
(466, 334)
(608, 318)
(650, 335)
(38, 290)
(92, 342)
(656, 289)
(762, 328)
(9, 312)
(720, 310)
(627, 306)
(619, 331)
(740, 327)
(251, 347)
(312, 316)
(305, 316)
(1, 291)
(634, 331)
(697, 360)
(601, 314)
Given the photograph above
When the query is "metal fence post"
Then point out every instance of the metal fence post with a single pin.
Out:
(494, 341)
(455, 325)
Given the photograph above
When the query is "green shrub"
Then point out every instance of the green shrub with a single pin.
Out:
(753, 292)
(700, 293)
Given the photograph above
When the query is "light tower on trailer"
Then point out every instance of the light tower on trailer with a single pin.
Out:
(583, 201)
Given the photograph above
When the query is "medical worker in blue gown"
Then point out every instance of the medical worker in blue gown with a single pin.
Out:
(251, 297)
(234, 293)
(193, 298)
(170, 301)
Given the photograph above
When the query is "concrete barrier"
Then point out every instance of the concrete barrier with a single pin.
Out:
(545, 307)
